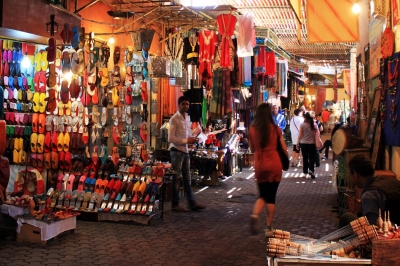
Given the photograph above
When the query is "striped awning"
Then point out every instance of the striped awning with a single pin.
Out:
(331, 21)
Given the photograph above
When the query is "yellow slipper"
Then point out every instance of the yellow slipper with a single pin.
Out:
(104, 78)
(68, 108)
(21, 144)
(36, 99)
(115, 96)
(60, 108)
(42, 102)
(44, 64)
(16, 156)
(34, 139)
(40, 143)
(66, 141)
(38, 61)
(16, 144)
(60, 143)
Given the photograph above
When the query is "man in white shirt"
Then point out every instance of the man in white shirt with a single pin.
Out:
(179, 136)
(295, 123)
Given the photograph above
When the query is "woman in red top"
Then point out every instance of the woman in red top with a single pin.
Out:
(263, 137)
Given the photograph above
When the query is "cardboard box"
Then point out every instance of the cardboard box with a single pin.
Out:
(30, 233)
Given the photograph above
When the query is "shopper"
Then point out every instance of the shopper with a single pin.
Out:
(320, 128)
(179, 136)
(306, 141)
(279, 119)
(325, 118)
(378, 192)
(328, 142)
(295, 123)
(263, 138)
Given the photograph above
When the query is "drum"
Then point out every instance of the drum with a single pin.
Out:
(343, 139)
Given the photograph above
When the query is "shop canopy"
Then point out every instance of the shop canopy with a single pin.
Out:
(331, 21)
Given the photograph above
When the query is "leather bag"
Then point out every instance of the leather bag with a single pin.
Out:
(282, 155)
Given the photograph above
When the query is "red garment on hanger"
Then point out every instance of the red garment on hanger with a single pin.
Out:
(208, 41)
(226, 26)
(270, 67)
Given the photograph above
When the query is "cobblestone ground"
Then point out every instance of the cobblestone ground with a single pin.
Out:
(218, 235)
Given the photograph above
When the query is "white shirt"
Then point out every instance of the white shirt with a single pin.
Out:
(295, 123)
(179, 131)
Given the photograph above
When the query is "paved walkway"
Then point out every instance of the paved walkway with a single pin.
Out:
(217, 236)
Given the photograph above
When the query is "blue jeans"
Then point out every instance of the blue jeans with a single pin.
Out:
(181, 164)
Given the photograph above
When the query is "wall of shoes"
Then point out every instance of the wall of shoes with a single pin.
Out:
(83, 127)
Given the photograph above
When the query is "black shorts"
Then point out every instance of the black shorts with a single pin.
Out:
(295, 149)
(268, 191)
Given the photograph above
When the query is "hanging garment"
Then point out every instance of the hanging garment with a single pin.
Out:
(283, 71)
(226, 26)
(191, 50)
(247, 71)
(246, 35)
(270, 63)
(207, 41)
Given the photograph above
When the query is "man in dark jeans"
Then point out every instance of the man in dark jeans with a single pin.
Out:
(179, 136)
(328, 142)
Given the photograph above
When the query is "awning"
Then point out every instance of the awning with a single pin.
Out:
(331, 21)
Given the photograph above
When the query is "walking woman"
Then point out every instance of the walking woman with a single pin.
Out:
(263, 138)
(306, 140)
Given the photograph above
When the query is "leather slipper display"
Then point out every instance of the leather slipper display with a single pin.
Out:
(143, 132)
(51, 50)
(64, 94)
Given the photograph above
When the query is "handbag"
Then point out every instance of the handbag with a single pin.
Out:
(282, 155)
(318, 141)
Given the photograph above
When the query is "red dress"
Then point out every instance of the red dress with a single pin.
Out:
(267, 165)
(207, 41)
(226, 26)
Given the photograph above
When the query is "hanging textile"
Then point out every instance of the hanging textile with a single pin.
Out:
(283, 68)
(247, 71)
(207, 41)
(226, 26)
(246, 35)
(335, 88)
(270, 63)
(235, 72)
(191, 49)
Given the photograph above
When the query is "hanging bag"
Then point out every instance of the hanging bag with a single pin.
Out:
(282, 155)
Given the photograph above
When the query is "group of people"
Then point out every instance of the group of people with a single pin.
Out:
(379, 193)
(303, 131)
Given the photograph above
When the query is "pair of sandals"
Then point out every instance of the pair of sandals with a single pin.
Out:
(39, 102)
(63, 142)
(51, 160)
(38, 123)
(37, 143)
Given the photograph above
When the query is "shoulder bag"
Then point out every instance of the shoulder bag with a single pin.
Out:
(282, 155)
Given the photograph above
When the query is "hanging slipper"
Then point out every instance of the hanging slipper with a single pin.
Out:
(66, 61)
(82, 37)
(74, 62)
(51, 50)
(75, 37)
(117, 55)
(115, 96)
(106, 55)
(81, 57)
(104, 98)
(115, 155)
(104, 116)
(52, 76)
(115, 135)
(144, 91)
(64, 94)
(128, 95)
(129, 77)
(51, 100)
(154, 107)
(104, 78)
(96, 52)
(44, 62)
(143, 132)
(57, 61)
(66, 34)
